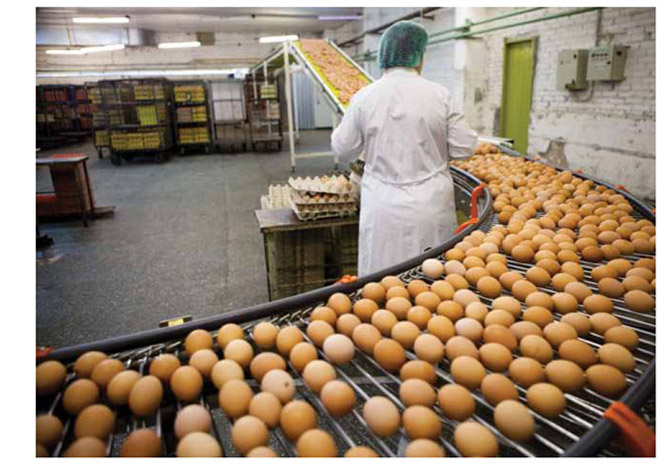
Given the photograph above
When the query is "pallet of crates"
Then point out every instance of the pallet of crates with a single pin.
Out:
(230, 120)
(139, 118)
(192, 116)
(57, 118)
(264, 114)
(99, 116)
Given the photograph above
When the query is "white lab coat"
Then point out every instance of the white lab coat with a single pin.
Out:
(408, 130)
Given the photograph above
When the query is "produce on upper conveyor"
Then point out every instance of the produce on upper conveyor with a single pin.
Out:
(345, 78)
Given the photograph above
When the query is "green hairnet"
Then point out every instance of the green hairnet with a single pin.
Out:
(403, 44)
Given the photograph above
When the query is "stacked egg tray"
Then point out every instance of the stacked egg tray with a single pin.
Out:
(278, 197)
(579, 430)
(323, 197)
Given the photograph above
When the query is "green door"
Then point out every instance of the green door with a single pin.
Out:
(518, 63)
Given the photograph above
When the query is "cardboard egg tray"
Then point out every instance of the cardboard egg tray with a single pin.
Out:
(278, 196)
(335, 184)
(317, 212)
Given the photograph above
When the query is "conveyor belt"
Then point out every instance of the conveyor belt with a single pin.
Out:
(580, 430)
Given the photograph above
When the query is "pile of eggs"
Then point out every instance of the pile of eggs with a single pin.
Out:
(492, 328)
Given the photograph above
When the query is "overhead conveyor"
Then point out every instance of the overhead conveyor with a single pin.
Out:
(291, 58)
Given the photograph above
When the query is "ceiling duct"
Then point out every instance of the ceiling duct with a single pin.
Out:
(140, 37)
(206, 38)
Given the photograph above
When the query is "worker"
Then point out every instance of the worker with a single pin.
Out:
(408, 129)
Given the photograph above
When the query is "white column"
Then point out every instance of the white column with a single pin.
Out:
(289, 103)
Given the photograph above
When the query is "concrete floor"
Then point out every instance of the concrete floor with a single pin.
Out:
(183, 241)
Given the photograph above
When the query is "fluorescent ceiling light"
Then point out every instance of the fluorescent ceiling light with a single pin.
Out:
(102, 20)
(270, 39)
(238, 72)
(179, 45)
(340, 18)
(86, 50)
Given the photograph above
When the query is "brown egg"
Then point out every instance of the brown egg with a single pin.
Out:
(443, 289)
(317, 373)
(477, 311)
(454, 267)
(578, 352)
(405, 333)
(120, 386)
(397, 292)
(279, 383)
(415, 287)
(421, 422)
(317, 331)
(142, 443)
(364, 308)
(381, 416)
(264, 363)
(538, 276)
(461, 346)
(616, 355)
(550, 265)
(458, 282)
(441, 327)
(424, 448)
(598, 303)
(623, 336)
(79, 395)
(499, 317)
(469, 328)
(514, 420)
(192, 418)
(558, 332)
(499, 334)
(204, 360)
(338, 398)
(522, 253)
(603, 271)
(450, 309)
(88, 447)
(526, 371)
(41, 451)
(198, 339)
(566, 375)
(384, 321)
(567, 256)
(496, 268)
(86, 363)
(316, 443)
(290, 336)
(266, 407)
(497, 388)
(241, 351)
(48, 430)
(561, 279)
(429, 348)
(642, 272)
(187, 382)
(536, 347)
(417, 369)
(509, 304)
(374, 291)
(456, 402)
(389, 281)
(226, 370)
(523, 328)
(339, 348)
(602, 322)
(234, 398)
(94, 421)
(302, 354)
(163, 366)
(467, 371)
(419, 315)
(399, 306)
(265, 333)
(523, 288)
(610, 287)
(474, 274)
(428, 299)
(320, 313)
(199, 444)
(417, 392)
(639, 301)
(365, 336)
(340, 303)
(465, 297)
(564, 303)
(296, 418)
(50, 377)
(579, 290)
(546, 399)
(261, 452)
(538, 315)
(474, 439)
(540, 299)
(606, 380)
(389, 354)
(228, 333)
(247, 433)
(579, 322)
(146, 394)
(620, 265)
(636, 283)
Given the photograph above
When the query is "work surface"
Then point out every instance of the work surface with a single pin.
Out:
(277, 220)
(183, 241)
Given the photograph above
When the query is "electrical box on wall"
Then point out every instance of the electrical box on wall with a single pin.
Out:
(607, 63)
(571, 70)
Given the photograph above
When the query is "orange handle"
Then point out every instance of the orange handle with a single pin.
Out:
(347, 279)
(622, 188)
(637, 437)
(43, 351)
(474, 199)
(471, 221)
